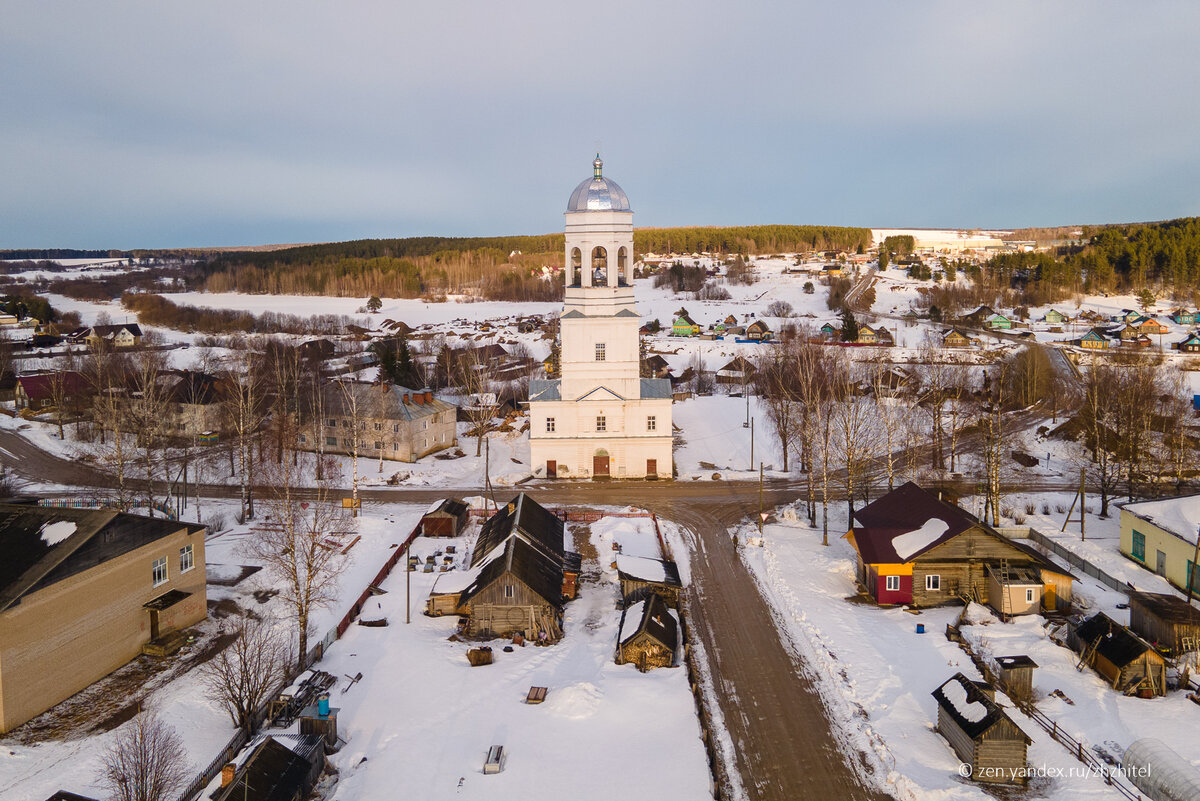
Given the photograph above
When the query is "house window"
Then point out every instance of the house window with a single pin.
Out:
(1139, 546)
(509, 591)
(395, 446)
(599, 351)
(187, 559)
(331, 423)
(379, 426)
(933, 583)
(424, 425)
(550, 425)
(396, 428)
(378, 445)
(160, 571)
(303, 438)
(345, 424)
(346, 442)
(892, 583)
(1028, 596)
(601, 423)
(651, 423)
(1192, 578)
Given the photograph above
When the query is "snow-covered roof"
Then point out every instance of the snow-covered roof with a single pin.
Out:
(919, 539)
(1179, 516)
(642, 568)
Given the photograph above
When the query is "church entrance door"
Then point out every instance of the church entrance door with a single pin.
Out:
(651, 468)
(600, 467)
(551, 468)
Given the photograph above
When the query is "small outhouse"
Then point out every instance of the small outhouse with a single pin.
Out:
(980, 732)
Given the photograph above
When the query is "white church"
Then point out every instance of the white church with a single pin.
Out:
(599, 418)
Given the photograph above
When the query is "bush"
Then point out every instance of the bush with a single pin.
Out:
(779, 308)
(713, 292)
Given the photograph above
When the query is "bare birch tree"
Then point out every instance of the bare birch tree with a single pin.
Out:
(245, 673)
(296, 548)
(145, 762)
(245, 407)
(775, 374)
(471, 377)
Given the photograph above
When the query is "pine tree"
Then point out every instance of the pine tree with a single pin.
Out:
(849, 325)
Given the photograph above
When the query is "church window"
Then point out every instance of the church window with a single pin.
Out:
(549, 425)
(651, 423)
(599, 351)
(601, 423)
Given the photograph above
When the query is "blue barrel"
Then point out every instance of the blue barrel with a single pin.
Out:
(920, 628)
(323, 705)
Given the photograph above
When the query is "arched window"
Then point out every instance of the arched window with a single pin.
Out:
(622, 260)
(576, 266)
(599, 267)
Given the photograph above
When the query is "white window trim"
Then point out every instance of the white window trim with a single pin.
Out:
(931, 580)
(166, 571)
(1029, 596)
(190, 551)
(889, 581)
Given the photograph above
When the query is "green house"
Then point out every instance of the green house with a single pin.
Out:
(685, 326)
(1055, 316)
(998, 321)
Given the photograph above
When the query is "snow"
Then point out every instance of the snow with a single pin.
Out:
(956, 694)
(1181, 516)
(647, 569)
(54, 533)
(918, 539)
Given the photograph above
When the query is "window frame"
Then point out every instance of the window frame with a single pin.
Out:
(190, 552)
(160, 562)
(888, 581)
(1137, 545)
(602, 424)
(1029, 595)
(933, 582)
(551, 425)
(651, 422)
(601, 354)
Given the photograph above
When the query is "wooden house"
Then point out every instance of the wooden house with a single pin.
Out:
(1095, 339)
(39, 391)
(684, 326)
(1166, 621)
(998, 322)
(648, 635)
(730, 321)
(738, 371)
(1125, 660)
(1185, 317)
(516, 580)
(977, 317)
(656, 365)
(913, 548)
(446, 518)
(831, 332)
(866, 335)
(1150, 327)
(758, 331)
(1014, 590)
(125, 335)
(884, 337)
(1017, 674)
(641, 577)
(955, 339)
(1130, 315)
(283, 767)
(1189, 344)
(981, 734)
(1055, 317)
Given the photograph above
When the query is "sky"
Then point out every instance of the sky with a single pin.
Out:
(148, 125)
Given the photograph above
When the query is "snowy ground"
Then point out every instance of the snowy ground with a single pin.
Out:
(876, 673)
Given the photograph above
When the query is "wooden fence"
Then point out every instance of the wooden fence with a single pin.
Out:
(1070, 557)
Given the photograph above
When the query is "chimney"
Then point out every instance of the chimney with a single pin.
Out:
(405, 398)
(419, 398)
(428, 396)
(227, 774)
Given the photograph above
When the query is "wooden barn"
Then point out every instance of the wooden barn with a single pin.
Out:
(447, 518)
(914, 548)
(517, 591)
(641, 577)
(1129, 663)
(648, 636)
(980, 732)
(282, 767)
(1165, 620)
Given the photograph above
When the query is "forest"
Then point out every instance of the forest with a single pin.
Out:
(496, 268)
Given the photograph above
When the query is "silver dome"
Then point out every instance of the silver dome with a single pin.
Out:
(598, 193)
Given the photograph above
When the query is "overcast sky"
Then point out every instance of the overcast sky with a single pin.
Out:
(130, 125)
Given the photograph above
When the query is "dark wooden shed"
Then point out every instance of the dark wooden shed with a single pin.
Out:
(980, 732)
(1129, 663)
(1165, 620)
(652, 641)
(1016, 672)
(641, 577)
(446, 519)
(280, 768)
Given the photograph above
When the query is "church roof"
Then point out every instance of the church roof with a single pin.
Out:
(598, 193)
(541, 389)
(656, 387)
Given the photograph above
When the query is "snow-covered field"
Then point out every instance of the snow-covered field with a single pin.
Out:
(876, 673)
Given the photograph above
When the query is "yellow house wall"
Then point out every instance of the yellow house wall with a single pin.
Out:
(60, 639)
(1178, 551)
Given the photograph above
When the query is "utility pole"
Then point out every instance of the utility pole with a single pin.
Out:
(751, 443)
(407, 584)
(761, 516)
